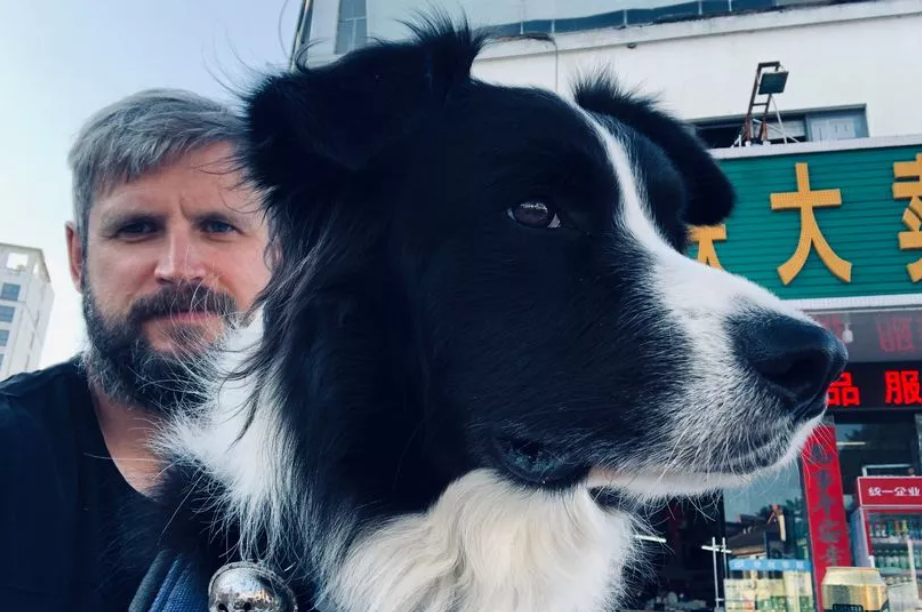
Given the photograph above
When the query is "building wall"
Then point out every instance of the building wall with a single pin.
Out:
(862, 54)
(25, 267)
(850, 55)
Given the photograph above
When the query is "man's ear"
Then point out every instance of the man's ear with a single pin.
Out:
(312, 131)
(710, 194)
(75, 254)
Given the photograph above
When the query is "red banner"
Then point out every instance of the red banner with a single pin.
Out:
(889, 491)
(829, 543)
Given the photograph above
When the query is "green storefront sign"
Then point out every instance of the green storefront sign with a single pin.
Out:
(823, 224)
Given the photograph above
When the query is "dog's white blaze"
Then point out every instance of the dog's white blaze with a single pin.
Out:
(248, 461)
(702, 300)
(687, 286)
(488, 545)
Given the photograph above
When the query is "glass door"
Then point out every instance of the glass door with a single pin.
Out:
(687, 573)
(767, 546)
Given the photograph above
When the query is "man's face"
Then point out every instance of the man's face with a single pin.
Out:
(170, 259)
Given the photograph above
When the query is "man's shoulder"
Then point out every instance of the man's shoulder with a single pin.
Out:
(39, 475)
(30, 384)
(44, 396)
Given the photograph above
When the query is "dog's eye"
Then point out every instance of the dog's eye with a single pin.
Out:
(534, 214)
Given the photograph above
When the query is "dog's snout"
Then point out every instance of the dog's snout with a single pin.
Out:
(797, 359)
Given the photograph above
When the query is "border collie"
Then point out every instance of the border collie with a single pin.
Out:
(482, 344)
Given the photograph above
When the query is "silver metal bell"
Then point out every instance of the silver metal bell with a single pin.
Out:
(249, 587)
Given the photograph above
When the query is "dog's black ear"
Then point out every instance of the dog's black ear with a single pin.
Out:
(310, 131)
(710, 195)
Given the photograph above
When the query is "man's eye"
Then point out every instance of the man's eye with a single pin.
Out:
(137, 229)
(218, 227)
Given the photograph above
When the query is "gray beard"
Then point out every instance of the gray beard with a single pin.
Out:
(120, 362)
(156, 384)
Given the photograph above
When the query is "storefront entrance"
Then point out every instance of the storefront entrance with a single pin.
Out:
(855, 266)
(681, 557)
(699, 541)
(752, 548)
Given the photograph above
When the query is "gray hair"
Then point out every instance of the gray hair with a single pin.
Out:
(139, 134)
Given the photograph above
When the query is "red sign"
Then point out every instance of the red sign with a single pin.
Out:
(889, 491)
(844, 393)
(877, 386)
(829, 542)
(902, 387)
(895, 334)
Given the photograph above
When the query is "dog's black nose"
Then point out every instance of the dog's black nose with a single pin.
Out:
(798, 360)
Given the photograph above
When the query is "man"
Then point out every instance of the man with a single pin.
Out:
(168, 249)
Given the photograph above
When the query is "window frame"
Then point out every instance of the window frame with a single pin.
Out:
(15, 297)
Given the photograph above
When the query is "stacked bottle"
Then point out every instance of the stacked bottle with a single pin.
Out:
(906, 527)
(897, 559)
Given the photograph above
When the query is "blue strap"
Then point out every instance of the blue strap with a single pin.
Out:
(183, 588)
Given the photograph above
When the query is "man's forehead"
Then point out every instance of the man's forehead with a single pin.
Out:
(228, 196)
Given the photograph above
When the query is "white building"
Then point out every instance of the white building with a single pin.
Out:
(853, 67)
(25, 308)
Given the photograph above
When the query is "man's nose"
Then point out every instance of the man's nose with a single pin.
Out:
(180, 260)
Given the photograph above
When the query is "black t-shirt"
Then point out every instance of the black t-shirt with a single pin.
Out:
(66, 513)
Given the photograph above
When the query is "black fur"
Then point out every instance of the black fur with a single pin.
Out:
(708, 194)
(413, 330)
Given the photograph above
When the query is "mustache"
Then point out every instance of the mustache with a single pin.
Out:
(180, 299)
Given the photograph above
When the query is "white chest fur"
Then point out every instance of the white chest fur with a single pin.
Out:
(488, 546)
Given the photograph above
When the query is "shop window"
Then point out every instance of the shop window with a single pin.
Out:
(726, 133)
(788, 127)
(878, 445)
(681, 557)
(767, 541)
(837, 125)
(505, 17)
(766, 519)
(6, 314)
(10, 291)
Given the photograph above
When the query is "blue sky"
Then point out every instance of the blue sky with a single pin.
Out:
(61, 60)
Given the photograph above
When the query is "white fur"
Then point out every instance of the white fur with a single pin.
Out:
(701, 300)
(488, 545)
(669, 481)
(250, 462)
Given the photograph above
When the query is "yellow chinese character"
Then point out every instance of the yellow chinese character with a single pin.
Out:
(912, 216)
(704, 237)
(806, 200)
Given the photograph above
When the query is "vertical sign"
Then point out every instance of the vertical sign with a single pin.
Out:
(829, 543)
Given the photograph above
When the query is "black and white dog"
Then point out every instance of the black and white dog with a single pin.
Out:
(482, 342)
